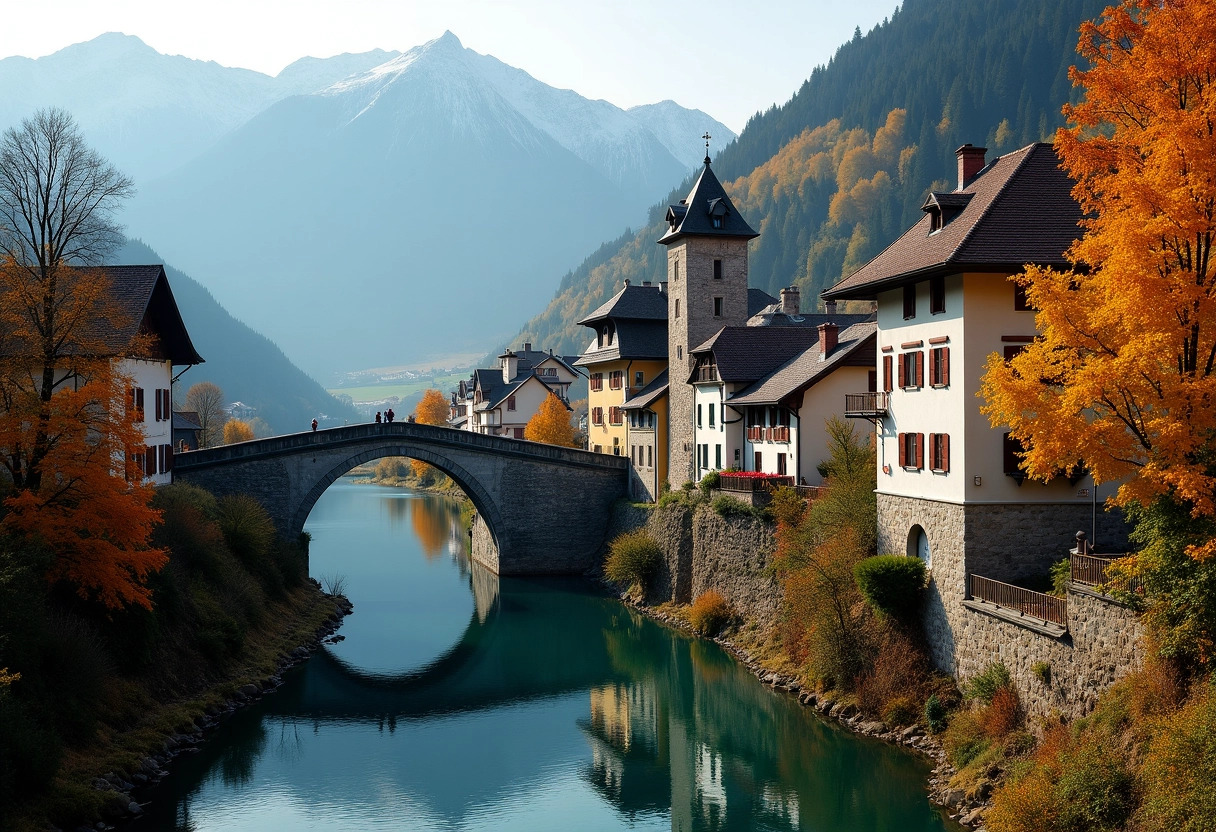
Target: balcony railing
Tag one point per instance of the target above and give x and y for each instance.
(758, 433)
(866, 405)
(1091, 571)
(706, 374)
(752, 483)
(1021, 601)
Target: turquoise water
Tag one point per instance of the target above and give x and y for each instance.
(461, 702)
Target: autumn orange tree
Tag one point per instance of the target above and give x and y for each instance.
(1122, 379)
(65, 427)
(237, 430)
(432, 410)
(551, 424)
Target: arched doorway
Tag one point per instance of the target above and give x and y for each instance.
(918, 545)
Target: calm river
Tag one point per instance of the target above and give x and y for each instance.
(459, 702)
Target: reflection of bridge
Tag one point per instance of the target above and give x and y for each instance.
(547, 507)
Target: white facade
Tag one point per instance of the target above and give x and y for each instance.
(152, 385)
(979, 320)
(717, 431)
(511, 415)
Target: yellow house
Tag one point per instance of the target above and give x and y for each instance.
(628, 352)
(646, 416)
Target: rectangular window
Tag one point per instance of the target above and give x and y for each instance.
(912, 370)
(781, 464)
(711, 415)
(718, 456)
(637, 379)
(717, 270)
(939, 452)
(759, 460)
(912, 450)
(597, 381)
(1011, 453)
(511, 402)
(138, 394)
(910, 301)
(615, 416)
(616, 380)
(717, 307)
(597, 415)
(599, 449)
(650, 456)
(680, 352)
(939, 367)
(1011, 351)
(698, 415)
(1021, 303)
(937, 295)
(677, 307)
(887, 382)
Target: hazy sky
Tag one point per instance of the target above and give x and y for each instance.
(727, 58)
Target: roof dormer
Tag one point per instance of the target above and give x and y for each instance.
(719, 209)
(943, 207)
(675, 215)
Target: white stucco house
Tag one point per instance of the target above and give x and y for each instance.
(501, 401)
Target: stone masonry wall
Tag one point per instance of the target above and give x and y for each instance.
(704, 551)
(1009, 543)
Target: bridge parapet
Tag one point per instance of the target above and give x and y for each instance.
(547, 507)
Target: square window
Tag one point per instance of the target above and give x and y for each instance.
(637, 379)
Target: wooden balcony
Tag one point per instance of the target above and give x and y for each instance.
(759, 433)
(1019, 600)
(705, 373)
(729, 482)
(866, 405)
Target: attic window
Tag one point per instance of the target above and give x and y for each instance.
(935, 220)
(717, 221)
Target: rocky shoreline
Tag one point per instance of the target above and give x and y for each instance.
(967, 812)
(129, 785)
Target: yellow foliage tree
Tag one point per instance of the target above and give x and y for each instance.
(1122, 380)
(432, 410)
(551, 424)
(237, 430)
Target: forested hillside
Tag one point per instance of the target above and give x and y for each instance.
(835, 174)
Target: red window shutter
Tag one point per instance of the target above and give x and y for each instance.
(945, 460)
(169, 457)
(903, 450)
(159, 402)
(920, 368)
(149, 460)
(945, 379)
(886, 373)
(920, 450)
(903, 371)
(933, 451)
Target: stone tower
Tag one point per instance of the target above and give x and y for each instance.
(706, 290)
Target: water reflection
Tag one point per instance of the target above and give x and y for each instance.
(553, 709)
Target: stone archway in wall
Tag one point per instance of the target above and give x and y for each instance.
(918, 545)
(468, 484)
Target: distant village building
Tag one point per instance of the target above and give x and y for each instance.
(187, 428)
(950, 489)
(501, 401)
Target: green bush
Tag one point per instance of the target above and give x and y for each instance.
(671, 498)
(247, 527)
(964, 739)
(1179, 770)
(709, 482)
(632, 558)
(1061, 575)
(1042, 672)
(726, 506)
(935, 714)
(892, 584)
(985, 686)
(710, 613)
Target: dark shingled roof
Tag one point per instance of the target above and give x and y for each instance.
(694, 215)
(748, 353)
(636, 302)
(530, 359)
(649, 394)
(772, 315)
(640, 340)
(757, 299)
(186, 420)
(855, 348)
(1020, 211)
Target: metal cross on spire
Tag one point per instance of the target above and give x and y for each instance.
(707, 137)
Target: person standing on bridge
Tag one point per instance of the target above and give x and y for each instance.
(377, 417)
(314, 425)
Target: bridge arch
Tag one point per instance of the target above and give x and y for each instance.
(482, 501)
(546, 508)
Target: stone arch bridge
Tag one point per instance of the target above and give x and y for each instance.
(546, 507)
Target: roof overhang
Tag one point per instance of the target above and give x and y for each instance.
(871, 290)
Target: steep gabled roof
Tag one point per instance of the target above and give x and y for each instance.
(696, 213)
(757, 299)
(747, 353)
(646, 302)
(649, 394)
(855, 348)
(1019, 210)
(637, 340)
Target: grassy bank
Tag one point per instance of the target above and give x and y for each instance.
(90, 692)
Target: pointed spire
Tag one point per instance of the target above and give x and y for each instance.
(707, 137)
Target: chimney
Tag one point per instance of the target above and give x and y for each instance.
(829, 307)
(827, 339)
(662, 287)
(527, 346)
(791, 300)
(626, 283)
(970, 162)
(510, 366)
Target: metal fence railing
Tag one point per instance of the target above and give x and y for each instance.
(1092, 571)
(1023, 601)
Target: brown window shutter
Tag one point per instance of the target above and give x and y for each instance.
(886, 373)
(169, 457)
(903, 451)
(945, 452)
(149, 460)
(920, 450)
(920, 368)
(933, 451)
(945, 379)
(903, 371)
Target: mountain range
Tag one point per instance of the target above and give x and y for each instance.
(366, 209)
